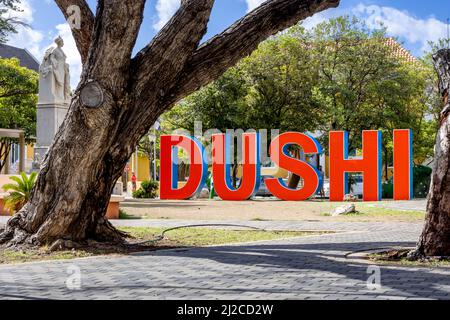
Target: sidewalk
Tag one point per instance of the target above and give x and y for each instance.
(300, 268)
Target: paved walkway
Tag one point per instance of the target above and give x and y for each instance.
(313, 267)
(413, 205)
(263, 209)
(278, 225)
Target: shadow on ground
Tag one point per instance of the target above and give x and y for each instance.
(329, 258)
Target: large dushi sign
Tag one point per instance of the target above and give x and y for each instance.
(369, 164)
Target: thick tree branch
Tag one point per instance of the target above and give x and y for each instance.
(174, 44)
(157, 67)
(223, 51)
(163, 59)
(117, 26)
(83, 34)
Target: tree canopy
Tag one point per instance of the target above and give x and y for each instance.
(340, 75)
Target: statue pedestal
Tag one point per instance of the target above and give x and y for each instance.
(50, 116)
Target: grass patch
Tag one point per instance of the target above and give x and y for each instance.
(399, 258)
(189, 237)
(371, 211)
(197, 237)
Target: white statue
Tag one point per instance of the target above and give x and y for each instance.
(54, 76)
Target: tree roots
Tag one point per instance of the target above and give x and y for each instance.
(104, 235)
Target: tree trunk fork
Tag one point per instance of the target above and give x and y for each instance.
(93, 145)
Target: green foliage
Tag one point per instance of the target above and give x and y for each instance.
(148, 190)
(422, 181)
(269, 89)
(220, 105)
(8, 23)
(123, 215)
(281, 76)
(18, 97)
(16, 80)
(341, 75)
(388, 189)
(364, 86)
(20, 191)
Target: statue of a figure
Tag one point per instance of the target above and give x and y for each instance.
(54, 76)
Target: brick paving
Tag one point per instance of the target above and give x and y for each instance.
(314, 267)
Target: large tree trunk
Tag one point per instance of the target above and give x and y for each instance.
(93, 145)
(435, 238)
(89, 152)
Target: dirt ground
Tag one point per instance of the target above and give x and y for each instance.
(266, 209)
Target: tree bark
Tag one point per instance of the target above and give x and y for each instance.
(435, 238)
(5, 149)
(93, 145)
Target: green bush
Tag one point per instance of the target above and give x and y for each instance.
(148, 190)
(422, 181)
(388, 189)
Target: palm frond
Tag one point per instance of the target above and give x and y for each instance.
(19, 182)
(10, 186)
(20, 191)
(32, 180)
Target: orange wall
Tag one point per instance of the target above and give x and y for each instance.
(30, 152)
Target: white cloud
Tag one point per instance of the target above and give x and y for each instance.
(403, 24)
(253, 4)
(26, 37)
(36, 41)
(165, 9)
(25, 13)
(320, 17)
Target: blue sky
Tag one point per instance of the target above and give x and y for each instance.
(414, 22)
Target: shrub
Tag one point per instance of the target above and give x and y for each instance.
(422, 181)
(20, 191)
(148, 190)
(388, 189)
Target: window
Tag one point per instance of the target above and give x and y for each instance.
(14, 153)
